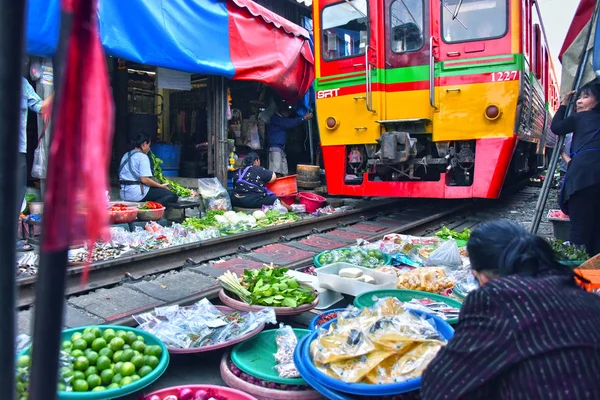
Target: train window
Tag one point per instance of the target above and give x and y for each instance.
(406, 25)
(469, 20)
(344, 30)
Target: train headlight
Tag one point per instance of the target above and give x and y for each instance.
(493, 112)
(331, 123)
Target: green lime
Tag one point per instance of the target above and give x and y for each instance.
(117, 378)
(89, 337)
(75, 336)
(121, 334)
(61, 387)
(127, 369)
(145, 370)
(107, 376)
(20, 387)
(23, 361)
(117, 367)
(140, 339)
(151, 361)
(79, 344)
(103, 363)
(92, 356)
(77, 353)
(125, 381)
(87, 330)
(127, 355)
(66, 345)
(81, 364)
(126, 347)
(118, 356)
(106, 352)
(109, 335)
(65, 372)
(99, 389)
(131, 337)
(78, 375)
(98, 344)
(137, 353)
(116, 344)
(138, 361)
(91, 371)
(113, 386)
(97, 332)
(155, 351)
(135, 378)
(80, 386)
(93, 381)
(138, 346)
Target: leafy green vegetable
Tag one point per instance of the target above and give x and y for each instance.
(446, 233)
(28, 199)
(208, 222)
(566, 252)
(272, 287)
(274, 217)
(173, 186)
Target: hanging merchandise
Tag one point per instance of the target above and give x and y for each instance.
(236, 123)
(252, 135)
(229, 99)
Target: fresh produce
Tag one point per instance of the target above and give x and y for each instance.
(567, 252)
(262, 383)
(121, 207)
(268, 287)
(173, 186)
(326, 317)
(356, 256)
(258, 214)
(274, 217)
(190, 394)
(96, 359)
(122, 214)
(150, 205)
(199, 224)
(446, 233)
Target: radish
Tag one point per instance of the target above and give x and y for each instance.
(186, 394)
(201, 395)
(155, 397)
(170, 397)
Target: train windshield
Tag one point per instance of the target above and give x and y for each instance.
(345, 29)
(407, 25)
(469, 20)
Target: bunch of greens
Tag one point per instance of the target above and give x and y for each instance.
(446, 233)
(173, 186)
(567, 252)
(200, 224)
(274, 217)
(272, 287)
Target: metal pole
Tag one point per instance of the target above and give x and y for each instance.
(220, 123)
(12, 20)
(556, 152)
(310, 141)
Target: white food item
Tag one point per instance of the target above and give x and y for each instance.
(360, 278)
(369, 279)
(350, 273)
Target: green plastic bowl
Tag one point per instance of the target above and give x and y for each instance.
(255, 357)
(365, 300)
(572, 264)
(387, 259)
(126, 390)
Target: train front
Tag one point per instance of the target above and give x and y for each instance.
(419, 98)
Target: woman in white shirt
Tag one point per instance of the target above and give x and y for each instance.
(135, 176)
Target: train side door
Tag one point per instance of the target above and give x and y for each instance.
(350, 75)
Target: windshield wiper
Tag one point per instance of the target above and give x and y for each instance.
(455, 13)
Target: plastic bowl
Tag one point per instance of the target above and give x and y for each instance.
(151, 215)
(125, 390)
(123, 217)
(280, 311)
(228, 393)
(283, 186)
(314, 323)
(362, 389)
(312, 201)
(387, 259)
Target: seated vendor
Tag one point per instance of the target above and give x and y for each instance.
(529, 331)
(249, 189)
(135, 176)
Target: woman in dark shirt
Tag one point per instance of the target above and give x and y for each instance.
(529, 331)
(581, 188)
(249, 189)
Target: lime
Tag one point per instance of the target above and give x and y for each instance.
(75, 336)
(130, 338)
(103, 363)
(127, 369)
(98, 389)
(80, 386)
(87, 330)
(98, 344)
(78, 375)
(20, 387)
(125, 347)
(118, 356)
(138, 346)
(140, 339)
(117, 378)
(117, 367)
(92, 356)
(151, 361)
(155, 351)
(138, 361)
(61, 387)
(113, 386)
(64, 372)
(89, 337)
(106, 352)
(145, 370)
(127, 355)
(125, 381)
(79, 344)
(135, 378)
(23, 362)
(97, 332)
(109, 335)
(77, 353)
(91, 371)
(81, 364)
(107, 376)
(121, 334)
(137, 353)
(93, 381)
(66, 345)
(116, 344)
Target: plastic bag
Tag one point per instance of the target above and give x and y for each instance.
(426, 279)
(40, 161)
(446, 255)
(286, 345)
(253, 140)
(214, 195)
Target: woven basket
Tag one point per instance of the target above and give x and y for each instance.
(592, 263)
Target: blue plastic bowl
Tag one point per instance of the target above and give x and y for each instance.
(362, 389)
(313, 323)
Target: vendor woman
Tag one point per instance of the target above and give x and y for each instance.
(249, 189)
(135, 175)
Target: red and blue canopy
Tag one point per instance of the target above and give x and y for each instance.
(238, 39)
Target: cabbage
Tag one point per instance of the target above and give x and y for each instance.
(259, 215)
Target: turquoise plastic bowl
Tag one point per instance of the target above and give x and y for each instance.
(126, 390)
(387, 259)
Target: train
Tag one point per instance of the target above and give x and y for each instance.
(431, 98)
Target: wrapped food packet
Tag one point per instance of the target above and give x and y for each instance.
(286, 345)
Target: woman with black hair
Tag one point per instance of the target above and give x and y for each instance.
(249, 190)
(529, 331)
(135, 175)
(580, 192)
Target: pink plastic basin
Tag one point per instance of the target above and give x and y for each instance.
(230, 394)
(312, 201)
(289, 200)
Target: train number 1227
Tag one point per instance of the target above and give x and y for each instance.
(505, 76)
